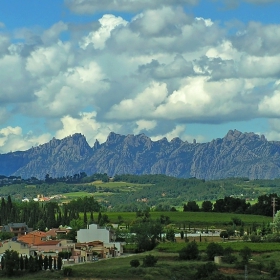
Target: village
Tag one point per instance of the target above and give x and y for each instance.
(93, 243)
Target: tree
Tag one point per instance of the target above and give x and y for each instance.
(245, 254)
(59, 263)
(40, 262)
(54, 264)
(207, 206)
(5, 235)
(11, 262)
(190, 252)
(46, 262)
(21, 263)
(205, 271)
(149, 261)
(214, 249)
(41, 225)
(182, 234)
(228, 257)
(146, 234)
(170, 234)
(224, 234)
(134, 263)
(50, 262)
(103, 220)
(26, 263)
(191, 206)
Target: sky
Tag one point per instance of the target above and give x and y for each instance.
(193, 69)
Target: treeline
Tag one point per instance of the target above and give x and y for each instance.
(237, 205)
(81, 177)
(18, 191)
(46, 215)
(12, 263)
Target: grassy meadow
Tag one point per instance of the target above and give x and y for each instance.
(168, 267)
(194, 219)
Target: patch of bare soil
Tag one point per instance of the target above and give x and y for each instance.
(231, 271)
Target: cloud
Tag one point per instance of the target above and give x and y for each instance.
(4, 44)
(143, 105)
(234, 4)
(144, 125)
(4, 115)
(95, 6)
(166, 36)
(52, 34)
(12, 139)
(86, 124)
(269, 105)
(98, 38)
(179, 67)
(155, 73)
(68, 92)
(258, 39)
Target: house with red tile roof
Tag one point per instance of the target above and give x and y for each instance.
(33, 237)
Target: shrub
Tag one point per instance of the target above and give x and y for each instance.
(224, 234)
(255, 238)
(205, 270)
(228, 257)
(137, 271)
(148, 277)
(67, 271)
(245, 237)
(245, 254)
(149, 261)
(214, 249)
(190, 252)
(134, 263)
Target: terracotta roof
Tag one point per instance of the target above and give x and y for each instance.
(32, 237)
(38, 233)
(53, 232)
(48, 243)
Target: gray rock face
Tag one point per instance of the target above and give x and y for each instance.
(236, 155)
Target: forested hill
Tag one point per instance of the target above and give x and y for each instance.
(236, 155)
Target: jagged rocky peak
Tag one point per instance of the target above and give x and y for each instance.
(176, 141)
(263, 138)
(114, 137)
(96, 145)
(137, 140)
(76, 139)
(232, 135)
(163, 141)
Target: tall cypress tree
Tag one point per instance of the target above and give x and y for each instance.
(59, 263)
(40, 262)
(21, 263)
(46, 262)
(50, 262)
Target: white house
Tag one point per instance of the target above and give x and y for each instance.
(96, 233)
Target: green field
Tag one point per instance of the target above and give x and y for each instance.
(118, 184)
(194, 218)
(235, 245)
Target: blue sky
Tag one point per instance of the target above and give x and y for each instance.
(166, 68)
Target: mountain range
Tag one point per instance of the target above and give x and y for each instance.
(236, 155)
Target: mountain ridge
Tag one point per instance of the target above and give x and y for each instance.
(235, 155)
